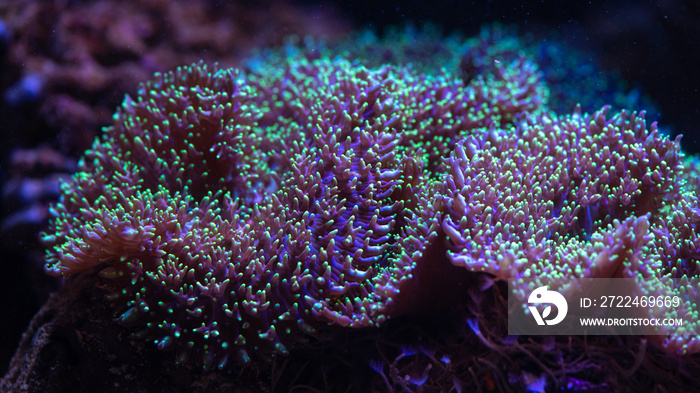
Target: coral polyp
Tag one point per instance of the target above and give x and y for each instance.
(234, 215)
(209, 251)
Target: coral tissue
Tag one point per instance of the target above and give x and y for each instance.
(234, 214)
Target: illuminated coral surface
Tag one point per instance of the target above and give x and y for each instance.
(234, 215)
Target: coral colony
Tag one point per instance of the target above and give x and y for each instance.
(234, 214)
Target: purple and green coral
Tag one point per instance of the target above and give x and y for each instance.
(237, 215)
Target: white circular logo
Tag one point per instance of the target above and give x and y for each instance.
(543, 296)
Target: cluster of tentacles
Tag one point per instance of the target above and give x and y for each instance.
(236, 214)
